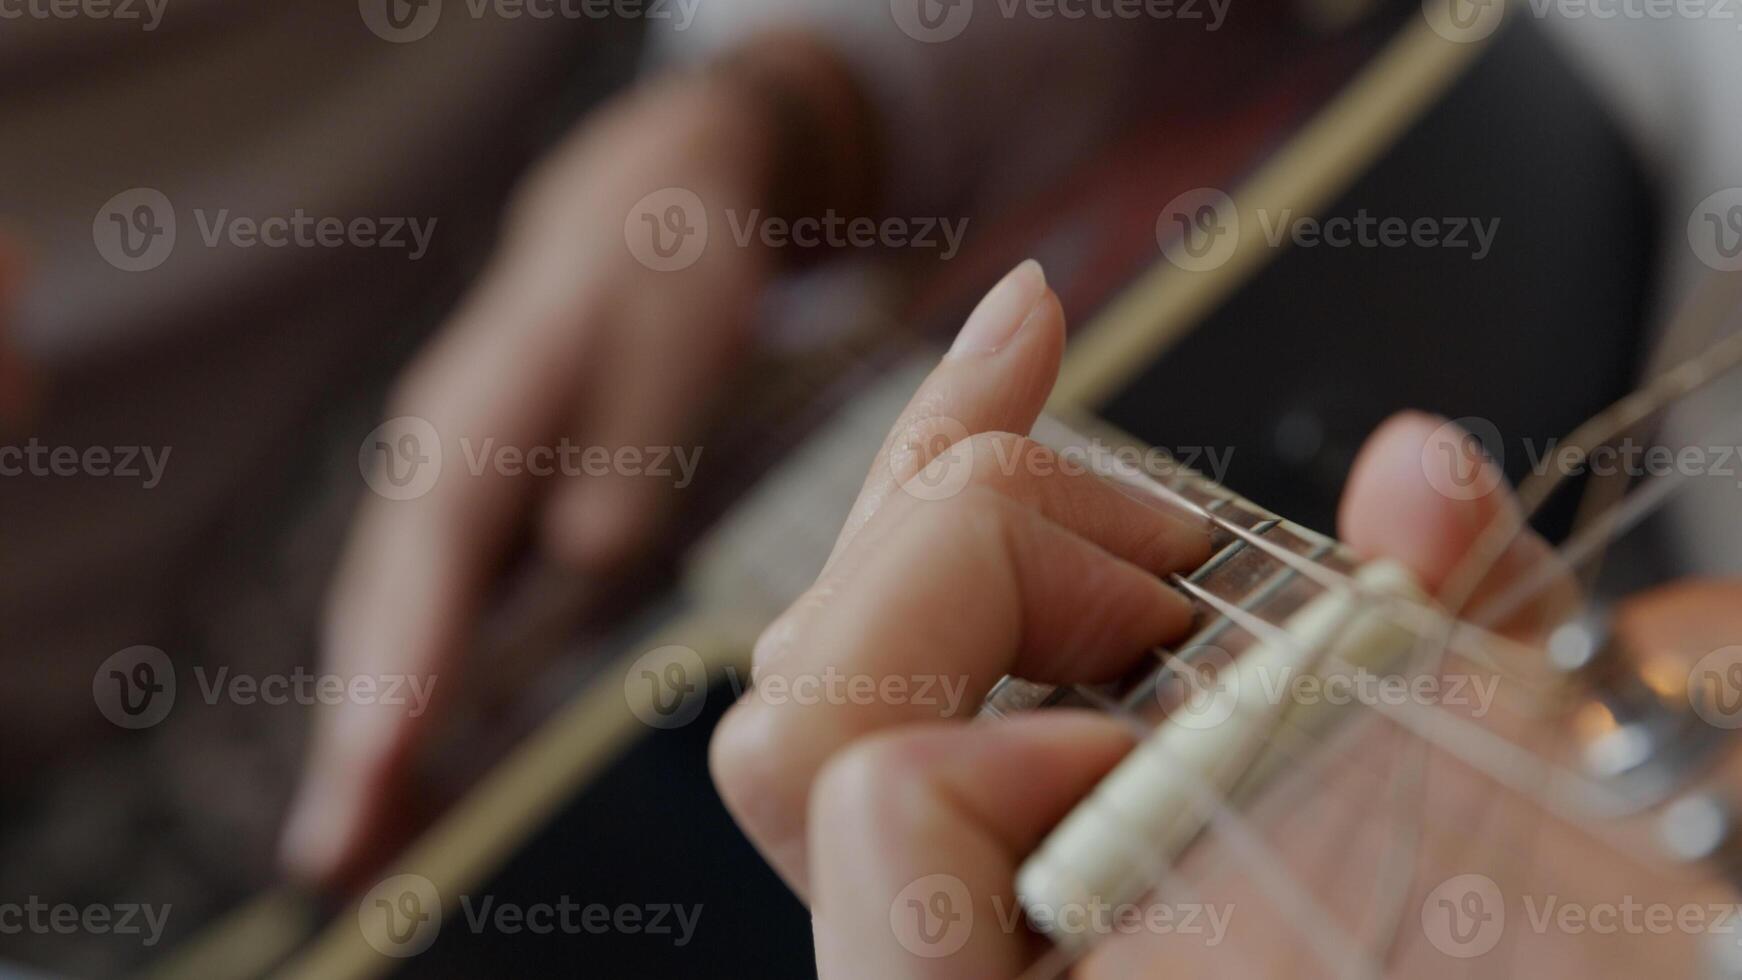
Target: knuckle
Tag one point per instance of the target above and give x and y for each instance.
(999, 457)
(978, 514)
(994, 460)
(777, 638)
(749, 760)
(783, 634)
(924, 435)
(872, 775)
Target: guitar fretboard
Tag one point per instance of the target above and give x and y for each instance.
(1238, 572)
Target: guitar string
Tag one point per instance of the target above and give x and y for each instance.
(1475, 639)
(1609, 526)
(1707, 306)
(1324, 935)
(1503, 762)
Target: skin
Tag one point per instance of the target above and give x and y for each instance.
(565, 335)
(1053, 579)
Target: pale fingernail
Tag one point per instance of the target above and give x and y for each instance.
(995, 321)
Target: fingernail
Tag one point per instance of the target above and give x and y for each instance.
(1003, 311)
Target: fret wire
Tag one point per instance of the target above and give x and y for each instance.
(1511, 765)
(1202, 574)
(1421, 614)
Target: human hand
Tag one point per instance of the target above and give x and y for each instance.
(578, 333)
(1053, 579)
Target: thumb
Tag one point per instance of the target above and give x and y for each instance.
(1423, 493)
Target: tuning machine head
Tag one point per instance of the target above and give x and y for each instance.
(1636, 735)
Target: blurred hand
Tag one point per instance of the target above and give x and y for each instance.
(567, 335)
(1051, 578)
(14, 377)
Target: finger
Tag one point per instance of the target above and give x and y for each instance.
(651, 383)
(1033, 475)
(966, 590)
(1407, 500)
(996, 377)
(407, 590)
(916, 836)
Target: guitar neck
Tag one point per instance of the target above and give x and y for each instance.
(1239, 572)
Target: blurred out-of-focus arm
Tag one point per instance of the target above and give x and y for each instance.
(963, 119)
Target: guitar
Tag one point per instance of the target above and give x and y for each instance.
(732, 588)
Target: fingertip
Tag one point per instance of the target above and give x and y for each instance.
(1003, 312)
(1417, 494)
